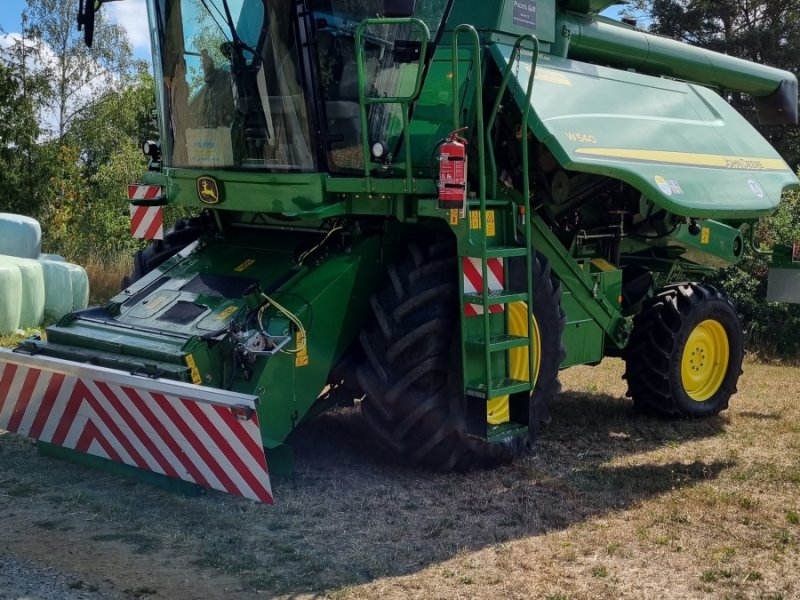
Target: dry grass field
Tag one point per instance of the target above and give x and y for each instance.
(610, 505)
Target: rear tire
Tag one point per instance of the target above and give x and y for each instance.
(685, 355)
(158, 252)
(414, 404)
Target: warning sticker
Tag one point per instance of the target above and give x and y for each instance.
(301, 358)
(705, 235)
(245, 265)
(196, 379)
(227, 313)
(475, 222)
(453, 216)
(664, 185)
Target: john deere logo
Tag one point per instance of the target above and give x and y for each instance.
(208, 190)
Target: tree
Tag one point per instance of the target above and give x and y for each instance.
(766, 32)
(23, 163)
(763, 31)
(77, 74)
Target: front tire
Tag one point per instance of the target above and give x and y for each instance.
(685, 355)
(414, 404)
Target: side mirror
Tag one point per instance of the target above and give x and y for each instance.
(86, 20)
(393, 9)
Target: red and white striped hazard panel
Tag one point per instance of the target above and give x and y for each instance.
(147, 222)
(182, 431)
(473, 282)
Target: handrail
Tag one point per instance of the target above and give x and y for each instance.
(364, 100)
(515, 55)
(477, 66)
(526, 193)
(476, 49)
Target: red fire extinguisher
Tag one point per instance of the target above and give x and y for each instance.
(453, 171)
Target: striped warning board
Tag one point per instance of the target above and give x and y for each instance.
(147, 222)
(201, 435)
(473, 282)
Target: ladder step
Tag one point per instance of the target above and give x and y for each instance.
(500, 343)
(497, 252)
(497, 297)
(500, 387)
(498, 433)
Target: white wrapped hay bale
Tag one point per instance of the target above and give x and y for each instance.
(58, 293)
(20, 236)
(10, 297)
(32, 296)
(80, 286)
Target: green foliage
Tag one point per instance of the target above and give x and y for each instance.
(771, 327)
(23, 163)
(72, 120)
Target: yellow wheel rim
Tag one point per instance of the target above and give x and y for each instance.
(518, 317)
(705, 360)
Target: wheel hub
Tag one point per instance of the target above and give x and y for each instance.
(705, 360)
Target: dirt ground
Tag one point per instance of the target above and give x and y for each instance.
(610, 505)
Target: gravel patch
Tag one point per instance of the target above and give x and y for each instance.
(24, 580)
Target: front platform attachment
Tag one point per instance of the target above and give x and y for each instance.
(195, 434)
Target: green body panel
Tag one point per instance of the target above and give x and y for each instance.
(604, 41)
(680, 144)
(135, 332)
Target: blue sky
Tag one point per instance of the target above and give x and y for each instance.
(131, 14)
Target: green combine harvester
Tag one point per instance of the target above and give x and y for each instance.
(432, 205)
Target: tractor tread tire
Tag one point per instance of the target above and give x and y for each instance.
(411, 375)
(654, 354)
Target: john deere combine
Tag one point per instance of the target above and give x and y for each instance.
(434, 205)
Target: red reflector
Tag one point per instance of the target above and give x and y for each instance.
(242, 413)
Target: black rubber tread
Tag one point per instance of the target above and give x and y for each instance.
(551, 320)
(411, 376)
(158, 252)
(654, 354)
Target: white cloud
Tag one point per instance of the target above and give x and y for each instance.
(132, 16)
(44, 58)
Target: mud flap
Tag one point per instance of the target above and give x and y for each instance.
(201, 435)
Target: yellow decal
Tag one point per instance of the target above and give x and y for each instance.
(689, 159)
(453, 216)
(226, 313)
(603, 265)
(475, 222)
(551, 76)
(157, 304)
(301, 358)
(196, 379)
(208, 190)
(705, 236)
(245, 265)
(474, 219)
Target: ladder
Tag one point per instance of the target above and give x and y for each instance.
(477, 257)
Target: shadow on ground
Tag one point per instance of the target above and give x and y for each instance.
(349, 515)
(360, 517)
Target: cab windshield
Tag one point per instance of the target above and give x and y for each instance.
(232, 90)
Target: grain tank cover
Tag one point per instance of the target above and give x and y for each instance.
(680, 144)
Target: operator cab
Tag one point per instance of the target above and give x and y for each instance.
(274, 85)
